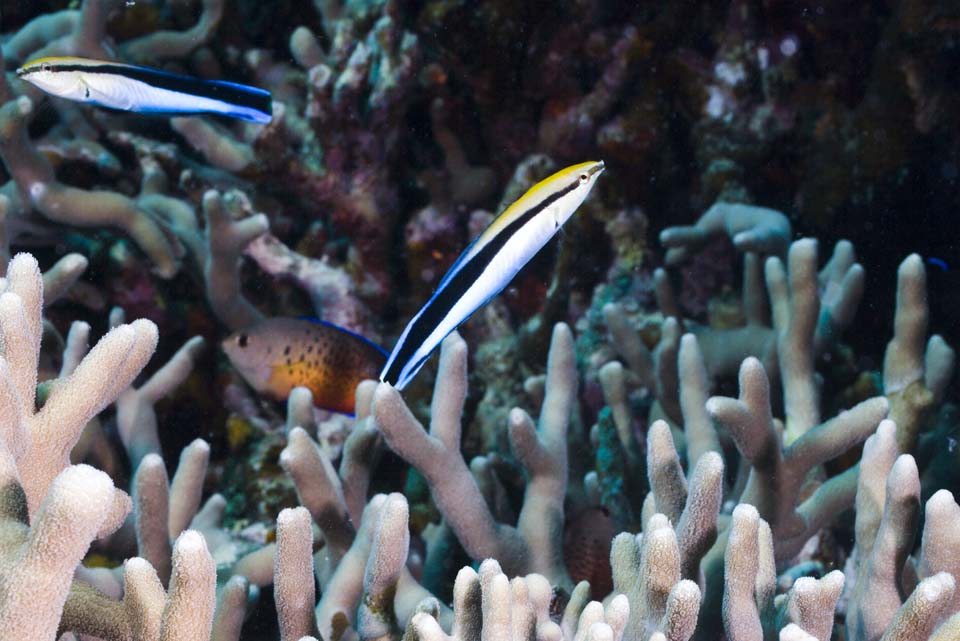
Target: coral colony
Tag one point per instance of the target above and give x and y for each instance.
(684, 418)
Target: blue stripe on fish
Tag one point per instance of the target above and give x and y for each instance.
(144, 89)
(488, 265)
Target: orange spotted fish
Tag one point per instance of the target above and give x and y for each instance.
(278, 354)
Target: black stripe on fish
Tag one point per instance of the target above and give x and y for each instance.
(453, 289)
(228, 92)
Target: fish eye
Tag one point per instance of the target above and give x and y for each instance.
(45, 66)
(584, 178)
(242, 340)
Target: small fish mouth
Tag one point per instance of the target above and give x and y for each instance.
(21, 72)
(596, 169)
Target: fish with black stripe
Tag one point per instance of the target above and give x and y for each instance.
(144, 89)
(489, 264)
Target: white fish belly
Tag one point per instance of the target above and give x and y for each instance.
(124, 93)
(506, 264)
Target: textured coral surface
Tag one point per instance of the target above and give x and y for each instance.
(719, 405)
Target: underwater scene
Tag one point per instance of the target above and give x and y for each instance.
(450, 320)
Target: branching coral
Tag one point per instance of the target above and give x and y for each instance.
(226, 238)
(35, 186)
(914, 374)
(351, 529)
(779, 461)
(647, 569)
(40, 441)
(184, 612)
(827, 299)
(39, 557)
(489, 605)
(328, 155)
(778, 472)
(718, 494)
(693, 509)
(888, 502)
(534, 544)
(53, 510)
(750, 611)
(82, 32)
(751, 229)
(782, 460)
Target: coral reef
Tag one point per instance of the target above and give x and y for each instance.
(720, 406)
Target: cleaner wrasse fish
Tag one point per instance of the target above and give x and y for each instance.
(278, 354)
(489, 264)
(144, 90)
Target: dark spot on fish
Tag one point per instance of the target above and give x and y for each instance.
(286, 350)
(289, 362)
(309, 349)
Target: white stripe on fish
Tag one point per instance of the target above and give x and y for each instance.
(144, 90)
(489, 264)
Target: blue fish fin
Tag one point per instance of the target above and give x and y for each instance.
(320, 321)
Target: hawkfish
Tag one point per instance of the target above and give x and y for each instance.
(144, 89)
(488, 265)
(278, 354)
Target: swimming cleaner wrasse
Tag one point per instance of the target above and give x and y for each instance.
(278, 354)
(489, 264)
(144, 90)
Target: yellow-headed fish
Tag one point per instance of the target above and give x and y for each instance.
(489, 264)
(144, 89)
(278, 354)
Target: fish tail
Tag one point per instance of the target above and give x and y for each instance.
(252, 103)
